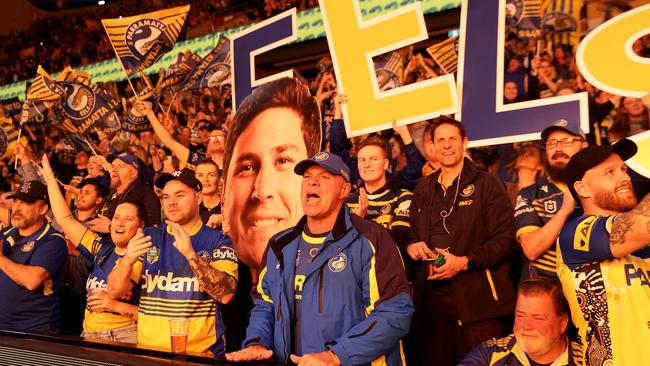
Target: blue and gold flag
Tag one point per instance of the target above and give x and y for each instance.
(561, 21)
(524, 17)
(84, 105)
(8, 137)
(214, 69)
(140, 40)
(11, 107)
(178, 71)
(445, 54)
(138, 122)
(42, 94)
(389, 68)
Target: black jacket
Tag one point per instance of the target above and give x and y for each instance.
(138, 191)
(481, 228)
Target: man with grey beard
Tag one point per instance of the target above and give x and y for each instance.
(31, 261)
(539, 209)
(604, 257)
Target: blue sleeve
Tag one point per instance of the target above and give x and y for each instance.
(261, 325)
(586, 239)
(50, 253)
(526, 218)
(412, 172)
(389, 305)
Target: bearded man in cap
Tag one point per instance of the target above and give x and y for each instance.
(604, 258)
(31, 262)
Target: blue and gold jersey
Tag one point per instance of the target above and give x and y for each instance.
(389, 208)
(37, 310)
(535, 206)
(101, 251)
(609, 297)
(171, 290)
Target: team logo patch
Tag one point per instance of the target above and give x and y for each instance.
(561, 123)
(321, 156)
(385, 210)
(550, 206)
(27, 247)
(337, 263)
(468, 190)
(203, 254)
(153, 255)
(141, 33)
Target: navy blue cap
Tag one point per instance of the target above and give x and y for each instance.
(184, 176)
(563, 125)
(125, 157)
(99, 183)
(328, 161)
(31, 192)
(591, 156)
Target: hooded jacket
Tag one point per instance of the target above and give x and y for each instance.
(355, 298)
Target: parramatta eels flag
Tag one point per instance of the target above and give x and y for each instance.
(140, 40)
(214, 69)
(445, 54)
(138, 122)
(525, 18)
(42, 94)
(389, 68)
(8, 137)
(182, 65)
(11, 106)
(561, 21)
(84, 105)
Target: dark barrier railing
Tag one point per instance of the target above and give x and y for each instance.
(27, 349)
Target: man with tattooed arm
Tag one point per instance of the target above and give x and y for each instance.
(604, 258)
(188, 269)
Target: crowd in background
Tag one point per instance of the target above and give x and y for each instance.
(534, 69)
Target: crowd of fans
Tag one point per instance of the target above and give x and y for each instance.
(393, 177)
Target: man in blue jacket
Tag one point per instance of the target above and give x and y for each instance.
(333, 290)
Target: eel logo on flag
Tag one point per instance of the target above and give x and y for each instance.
(143, 35)
(80, 101)
(139, 41)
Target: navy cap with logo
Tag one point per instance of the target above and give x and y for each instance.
(184, 176)
(31, 192)
(328, 161)
(591, 156)
(125, 157)
(563, 125)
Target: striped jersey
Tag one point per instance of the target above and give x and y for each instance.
(171, 290)
(101, 251)
(389, 208)
(609, 297)
(535, 206)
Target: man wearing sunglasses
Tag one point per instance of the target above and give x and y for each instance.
(539, 212)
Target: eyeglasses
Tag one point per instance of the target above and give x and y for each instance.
(215, 138)
(565, 142)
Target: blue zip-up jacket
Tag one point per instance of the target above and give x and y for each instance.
(355, 299)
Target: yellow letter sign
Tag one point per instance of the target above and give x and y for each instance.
(353, 43)
(606, 59)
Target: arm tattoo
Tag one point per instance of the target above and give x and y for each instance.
(215, 282)
(624, 223)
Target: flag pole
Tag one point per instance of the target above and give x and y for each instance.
(20, 130)
(123, 68)
(88, 143)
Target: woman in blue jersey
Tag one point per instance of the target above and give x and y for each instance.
(105, 318)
